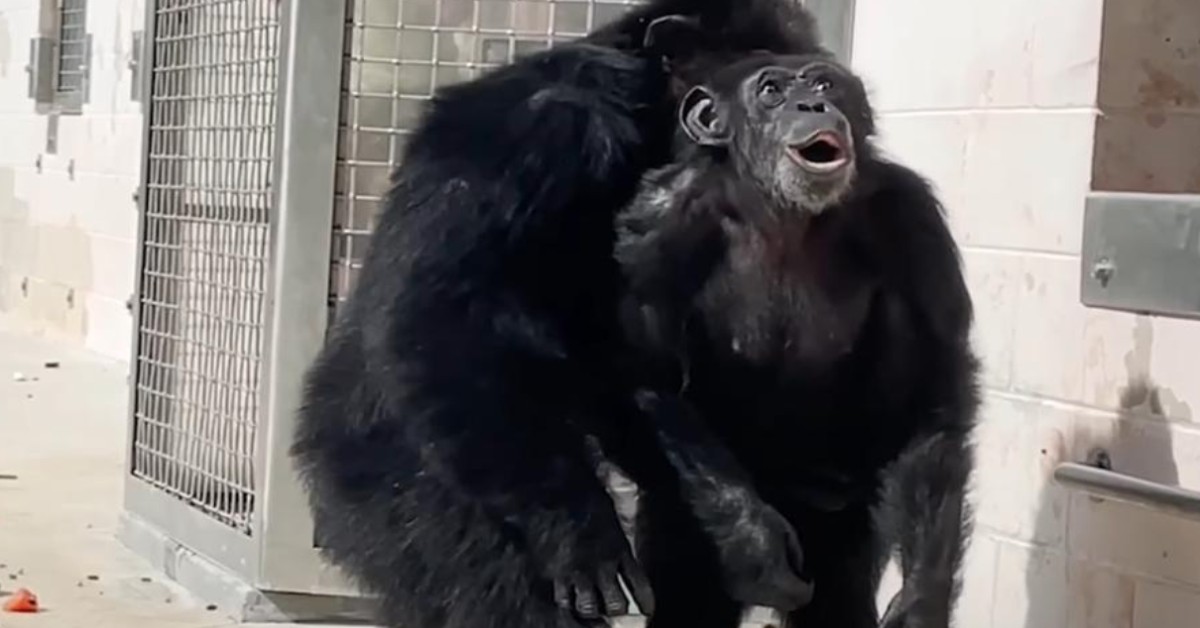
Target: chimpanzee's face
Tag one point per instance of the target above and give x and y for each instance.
(782, 120)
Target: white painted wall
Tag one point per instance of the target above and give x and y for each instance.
(996, 103)
(67, 240)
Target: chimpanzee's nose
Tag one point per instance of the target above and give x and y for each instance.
(812, 106)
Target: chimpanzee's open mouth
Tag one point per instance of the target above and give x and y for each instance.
(824, 152)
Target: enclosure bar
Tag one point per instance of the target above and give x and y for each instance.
(1128, 489)
(311, 41)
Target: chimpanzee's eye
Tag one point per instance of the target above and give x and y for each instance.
(770, 94)
(821, 84)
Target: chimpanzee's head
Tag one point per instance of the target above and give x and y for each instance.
(797, 126)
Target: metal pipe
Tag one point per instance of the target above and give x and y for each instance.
(1128, 489)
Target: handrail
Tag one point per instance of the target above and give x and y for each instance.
(1128, 489)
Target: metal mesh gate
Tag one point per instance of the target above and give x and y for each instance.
(205, 244)
(397, 53)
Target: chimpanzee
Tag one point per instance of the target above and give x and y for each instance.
(442, 432)
(800, 322)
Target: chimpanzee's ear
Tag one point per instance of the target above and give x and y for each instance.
(672, 36)
(702, 119)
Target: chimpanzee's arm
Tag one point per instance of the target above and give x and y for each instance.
(925, 500)
(758, 549)
(924, 511)
(667, 254)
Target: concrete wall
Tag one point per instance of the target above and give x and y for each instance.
(999, 103)
(68, 220)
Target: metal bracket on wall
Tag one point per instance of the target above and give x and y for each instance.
(52, 133)
(1141, 253)
(87, 69)
(135, 67)
(41, 70)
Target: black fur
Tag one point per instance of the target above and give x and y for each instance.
(442, 431)
(827, 350)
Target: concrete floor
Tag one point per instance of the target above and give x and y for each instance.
(62, 433)
(62, 439)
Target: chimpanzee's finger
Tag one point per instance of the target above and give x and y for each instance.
(585, 600)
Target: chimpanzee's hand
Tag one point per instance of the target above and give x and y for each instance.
(587, 563)
(761, 559)
(909, 609)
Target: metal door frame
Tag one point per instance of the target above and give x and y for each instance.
(835, 23)
(306, 150)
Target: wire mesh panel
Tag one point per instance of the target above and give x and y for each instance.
(72, 45)
(205, 244)
(397, 53)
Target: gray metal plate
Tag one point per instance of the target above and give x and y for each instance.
(1141, 253)
(835, 22)
(41, 70)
